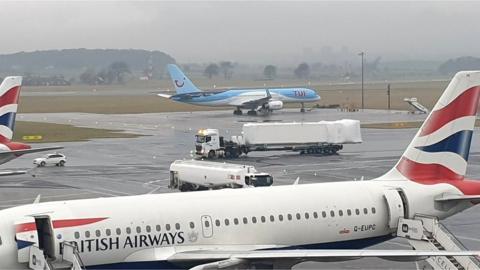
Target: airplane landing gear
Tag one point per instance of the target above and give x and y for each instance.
(302, 109)
(252, 112)
(238, 111)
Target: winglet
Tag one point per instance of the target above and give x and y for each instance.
(37, 199)
(268, 93)
(296, 181)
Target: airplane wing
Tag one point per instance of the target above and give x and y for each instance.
(222, 259)
(10, 173)
(17, 153)
(249, 101)
(458, 198)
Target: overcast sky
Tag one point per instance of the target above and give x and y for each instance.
(245, 31)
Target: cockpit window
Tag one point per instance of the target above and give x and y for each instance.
(200, 139)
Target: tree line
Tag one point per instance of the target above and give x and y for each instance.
(117, 72)
(225, 68)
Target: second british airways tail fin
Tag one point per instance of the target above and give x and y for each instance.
(441, 147)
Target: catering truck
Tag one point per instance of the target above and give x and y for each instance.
(324, 137)
(193, 175)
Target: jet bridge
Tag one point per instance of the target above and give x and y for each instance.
(426, 233)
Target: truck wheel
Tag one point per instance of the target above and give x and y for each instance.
(228, 154)
(211, 154)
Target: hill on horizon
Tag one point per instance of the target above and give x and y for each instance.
(74, 61)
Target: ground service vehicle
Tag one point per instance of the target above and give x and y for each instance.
(324, 137)
(191, 175)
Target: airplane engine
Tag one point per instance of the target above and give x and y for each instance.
(275, 105)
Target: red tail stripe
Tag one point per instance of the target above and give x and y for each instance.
(420, 172)
(464, 105)
(65, 223)
(4, 140)
(10, 97)
(431, 174)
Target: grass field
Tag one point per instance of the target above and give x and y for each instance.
(146, 102)
(398, 125)
(63, 133)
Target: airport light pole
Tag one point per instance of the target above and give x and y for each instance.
(362, 54)
(388, 93)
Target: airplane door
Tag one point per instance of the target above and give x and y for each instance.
(395, 207)
(207, 226)
(46, 238)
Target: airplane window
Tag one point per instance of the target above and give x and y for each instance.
(254, 219)
(289, 216)
(307, 215)
(177, 226)
(167, 227)
(280, 217)
(148, 228)
(324, 214)
(207, 224)
(97, 233)
(245, 220)
(108, 232)
(373, 210)
(349, 212)
(118, 231)
(357, 211)
(139, 230)
(192, 225)
(315, 214)
(263, 219)
(87, 234)
(128, 230)
(272, 218)
(332, 213)
(340, 213)
(217, 222)
(77, 235)
(158, 228)
(298, 216)
(365, 211)
(227, 222)
(235, 220)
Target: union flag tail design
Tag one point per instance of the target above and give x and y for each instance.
(9, 93)
(439, 151)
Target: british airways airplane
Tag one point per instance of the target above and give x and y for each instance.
(9, 94)
(261, 100)
(279, 225)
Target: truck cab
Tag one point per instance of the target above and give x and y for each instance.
(258, 179)
(208, 142)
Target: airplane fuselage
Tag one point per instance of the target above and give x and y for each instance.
(238, 97)
(145, 230)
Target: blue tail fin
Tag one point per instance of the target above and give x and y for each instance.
(183, 85)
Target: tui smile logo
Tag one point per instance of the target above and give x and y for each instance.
(178, 84)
